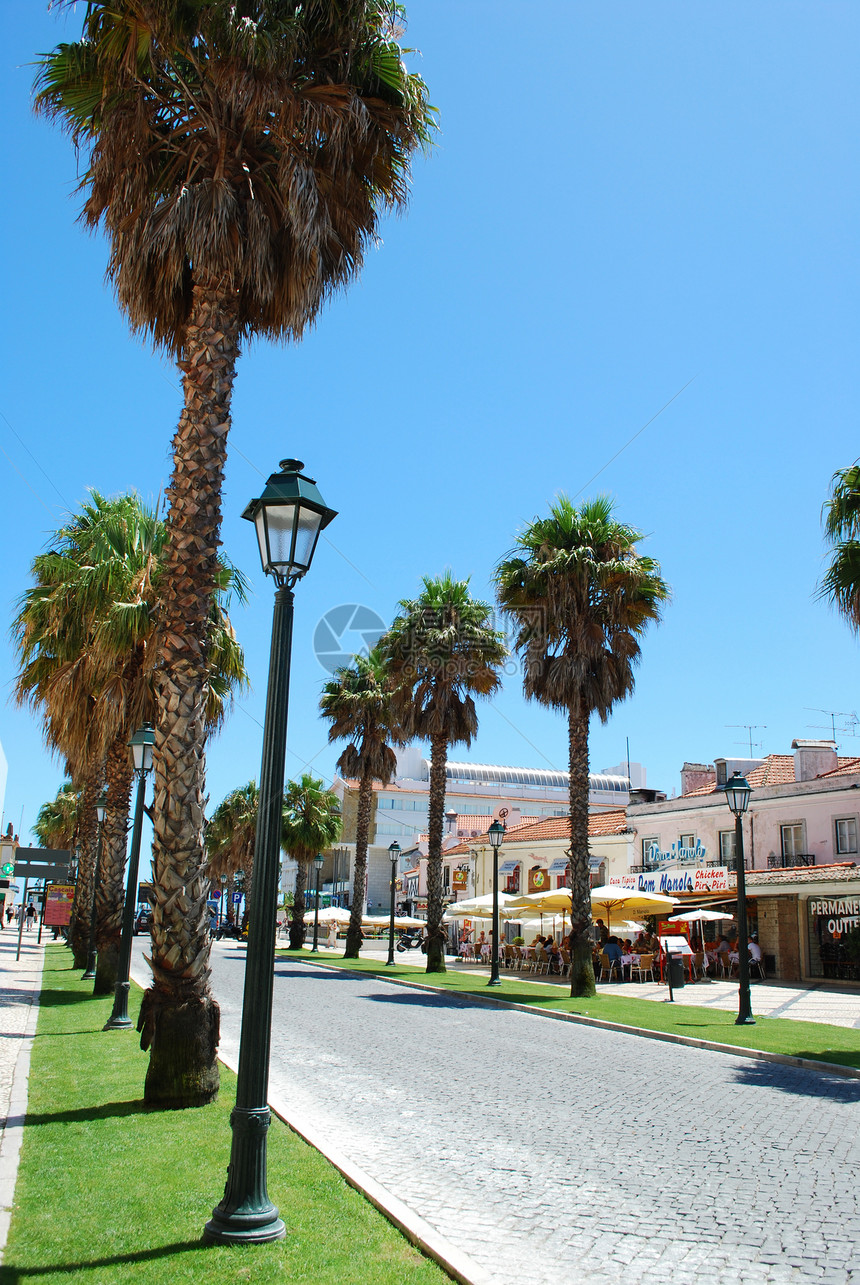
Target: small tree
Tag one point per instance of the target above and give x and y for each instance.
(312, 824)
(442, 651)
(358, 703)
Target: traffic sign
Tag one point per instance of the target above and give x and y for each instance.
(8, 867)
(237, 897)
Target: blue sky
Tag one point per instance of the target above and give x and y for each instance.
(623, 198)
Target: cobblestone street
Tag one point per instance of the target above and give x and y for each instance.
(543, 1148)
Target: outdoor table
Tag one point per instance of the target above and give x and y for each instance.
(627, 961)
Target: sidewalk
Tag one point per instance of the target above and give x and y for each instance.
(834, 1006)
(20, 983)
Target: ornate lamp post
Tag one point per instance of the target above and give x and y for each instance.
(497, 834)
(394, 857)
(141, 751)
(289, 516)
(738, 797)
(318, 865)
(101, 809)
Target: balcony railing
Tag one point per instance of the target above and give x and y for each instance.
(777, 861)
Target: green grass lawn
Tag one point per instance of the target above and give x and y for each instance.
(836, 1044)
(109, 1191)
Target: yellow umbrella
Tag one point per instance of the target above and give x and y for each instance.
(611, 898)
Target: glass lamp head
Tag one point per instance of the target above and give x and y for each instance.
(289, 516)
(497, 834)
(101, 807)
(141, 745)
(318, 861)
(738, 793)
(394, 852)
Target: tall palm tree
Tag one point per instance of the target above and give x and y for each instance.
(841, 515)
(239, 154)
(580, 596)
(312, 824)
(358, 702)
(86, 633)
(57, 822)
(231, 832)
(442, 651)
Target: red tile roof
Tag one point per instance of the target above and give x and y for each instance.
(847, 767)
(778, 769)
(841, 872)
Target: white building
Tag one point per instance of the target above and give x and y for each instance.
(475, 794)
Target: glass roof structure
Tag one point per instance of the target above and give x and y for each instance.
(537, 778)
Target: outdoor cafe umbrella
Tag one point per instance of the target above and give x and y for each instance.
(478, 907)
(700, 917)
(611, 898)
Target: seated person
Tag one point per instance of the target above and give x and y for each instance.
(755, 951)
(612, 951)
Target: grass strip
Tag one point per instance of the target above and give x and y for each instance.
(823, 1043)
(110, 1191)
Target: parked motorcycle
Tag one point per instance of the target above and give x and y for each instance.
(410, 940)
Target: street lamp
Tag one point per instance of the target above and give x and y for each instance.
(101, 809)
(141, 751)
(738, 797)
(394, 857)
(318, 863)
(497, 834)
(288, 516)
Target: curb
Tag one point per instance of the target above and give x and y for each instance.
(667, 1037)
(13, 1133)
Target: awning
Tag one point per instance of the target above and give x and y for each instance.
(508, 867)
(558, 866)
(594, 864)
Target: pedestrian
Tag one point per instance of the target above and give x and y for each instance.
(31, 916)
(331, 939)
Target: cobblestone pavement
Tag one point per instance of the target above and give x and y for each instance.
(545, 1148)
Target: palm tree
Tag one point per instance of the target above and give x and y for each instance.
(238, 155)
(57, 823)
(443, 652)
(87, 640)
(841, 584)
(357, 700)
(312, 824)
(581, 597)
(231, 833)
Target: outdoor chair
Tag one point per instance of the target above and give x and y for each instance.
(527, 961)
(512, 959)
(697, 966)
(541, 960)
(609, 966)
(565, 962)
(758, 965)
(645, 968)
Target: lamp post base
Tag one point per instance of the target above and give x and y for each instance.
(246, 1216)
(90, 974)
(745, 1019)
(119, 1019)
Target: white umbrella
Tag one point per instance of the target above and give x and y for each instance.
(477, 907)
(611, 898)
(327, 914)
(700, 917)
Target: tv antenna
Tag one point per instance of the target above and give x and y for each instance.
(749, 728)
(833, 714)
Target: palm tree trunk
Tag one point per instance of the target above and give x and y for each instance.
(82, 903)
(179, 1018)
(297, 916)
(581, 969)
(435, 909)
(111, 892)
(359, 874)
(230, 885)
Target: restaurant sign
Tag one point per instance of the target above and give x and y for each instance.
(670, 882)
(678, 854)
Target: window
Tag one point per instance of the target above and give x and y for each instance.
(846, 835)
(513, 883)
(647, 845)
(562, 881)
(727, 847)
(687, 841)
(446, 878)
(792, 839)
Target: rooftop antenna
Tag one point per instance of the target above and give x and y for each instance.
(833, 714)
(750, 728)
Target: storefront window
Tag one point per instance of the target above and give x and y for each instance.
(833, 925)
